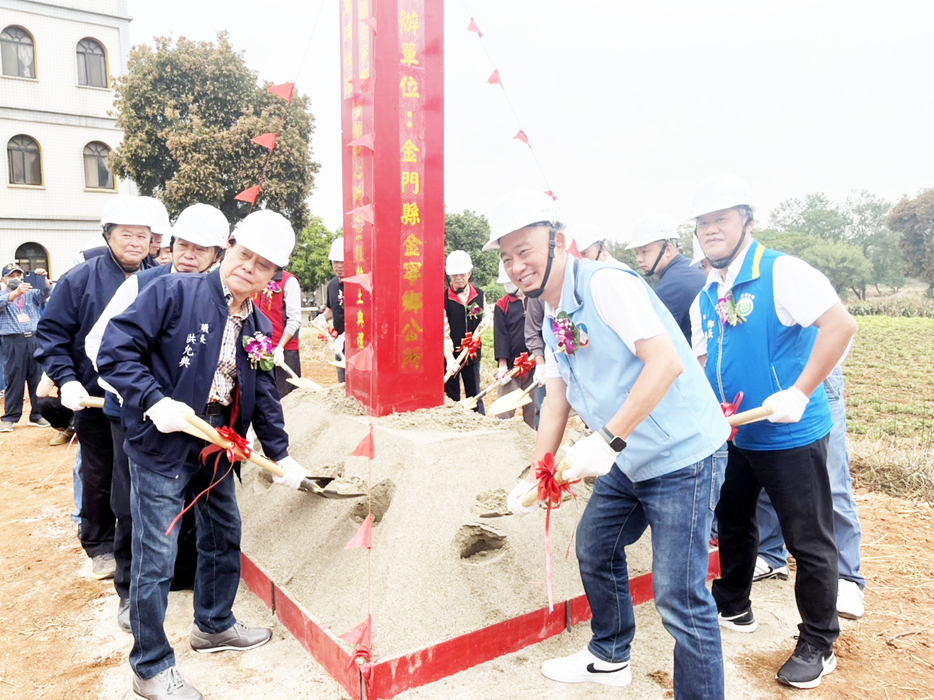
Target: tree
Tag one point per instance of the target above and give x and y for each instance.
(815, 215)
(868, 230)
(309, 261)
(189, 109)
(844, 263)
(470, 231)
(914, 219)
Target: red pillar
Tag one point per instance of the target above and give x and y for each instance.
(393, 175)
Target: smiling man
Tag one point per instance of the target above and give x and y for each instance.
(771, 326)
(179, 350)
(615, 354)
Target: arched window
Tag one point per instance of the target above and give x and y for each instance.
(32, 256)
(97, 173)
(92, 64)
(25, 161)
(17, 53)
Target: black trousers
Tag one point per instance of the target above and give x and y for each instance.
(292, 360)
(52, 410)
(19, 371)
(97, 460)
(470, 375)
(187, 557)
(797, 483)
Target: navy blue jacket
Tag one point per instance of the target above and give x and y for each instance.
(167, 343)
(678, 286)
(79, 299)
(509, 328)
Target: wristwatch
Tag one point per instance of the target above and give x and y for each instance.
(616, 443)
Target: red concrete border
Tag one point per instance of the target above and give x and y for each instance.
(417, 668)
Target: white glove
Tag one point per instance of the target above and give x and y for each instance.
(591, 456)
(338, 346)
(278, 355)
(514, 502)
(538, 376)
(787, 406)
(320, 320)
(293, 473)
(501, 372)
(72, 393)
(168, 415)
(450, 363)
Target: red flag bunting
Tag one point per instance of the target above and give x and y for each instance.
(284, 91)
(359, 635)
(364, 536)
(366, 212)
(472, 27)
(366, 141)
(361, 86)
(366, 447)
(363, 360)
(372, 22)
(573, 251)
(364, 280)
(248, 195)
(265, 140)
(551, 194)
(523, 138)
(494, 78)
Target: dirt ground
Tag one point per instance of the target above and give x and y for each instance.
(62, 639)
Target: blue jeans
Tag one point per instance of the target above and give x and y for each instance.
(76, 485)
(845, 515)
(678, 507)
(155, 500)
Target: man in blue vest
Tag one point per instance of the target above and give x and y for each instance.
(195, 344)
(771, 326)
(615, 355)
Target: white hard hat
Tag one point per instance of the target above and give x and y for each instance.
(585, 235)
(458, 262)
(92, 243)
(723, 191)
(203, 225)
(336, 253)
(160, 216)
(502, 278)
(268, 234)
(518, 209)
(651, 228)
(124, 210)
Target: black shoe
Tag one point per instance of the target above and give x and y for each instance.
(744, 622)
(807, 666)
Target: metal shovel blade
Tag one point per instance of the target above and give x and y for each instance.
(494, 515)
(310, 486)
(510, 402)
(303, 383)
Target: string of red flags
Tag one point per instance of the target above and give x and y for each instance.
(365, 141)
(365, 212)
(363, 360)
(496, 79)
(268, 141)
(364, 280)
(365, 448)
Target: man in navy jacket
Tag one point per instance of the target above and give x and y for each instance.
(78, 300)
(181, 349)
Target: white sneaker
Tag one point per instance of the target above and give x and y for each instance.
(849, 600)
(763, 571)
(584, 667)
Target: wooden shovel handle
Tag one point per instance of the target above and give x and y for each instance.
(566, 463)
(751, 416)
(92, 402)
(211, 434)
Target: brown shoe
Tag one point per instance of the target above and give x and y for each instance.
(61, 437)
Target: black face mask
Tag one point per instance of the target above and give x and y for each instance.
(13, 283)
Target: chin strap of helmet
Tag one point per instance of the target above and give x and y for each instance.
(658, 259)
(724, 262)
(551, 256)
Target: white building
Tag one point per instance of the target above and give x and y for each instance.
(57, 125)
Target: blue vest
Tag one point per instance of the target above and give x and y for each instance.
(761, 356)
(685, 427)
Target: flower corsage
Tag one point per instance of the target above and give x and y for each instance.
(570, 336)
(259, 349)
(475, 311)
(272, 287)
(732, 312)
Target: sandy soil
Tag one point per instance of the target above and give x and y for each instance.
(62, 639)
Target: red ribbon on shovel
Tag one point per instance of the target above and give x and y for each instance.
(524, 364)
(470, 344)
(730, 409)
(551, 492)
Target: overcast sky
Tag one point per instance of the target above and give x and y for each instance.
(629, 105)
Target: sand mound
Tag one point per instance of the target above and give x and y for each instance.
(437, 569)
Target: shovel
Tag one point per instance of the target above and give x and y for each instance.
(532, 496)
(471, 402)
(209, 433)
(300, 382)
(326, 332)
(512, 400)
(485, 323)
(98, 402)
(751, 416)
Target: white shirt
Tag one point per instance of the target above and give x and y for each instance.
(622, 302)
(802, 294)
